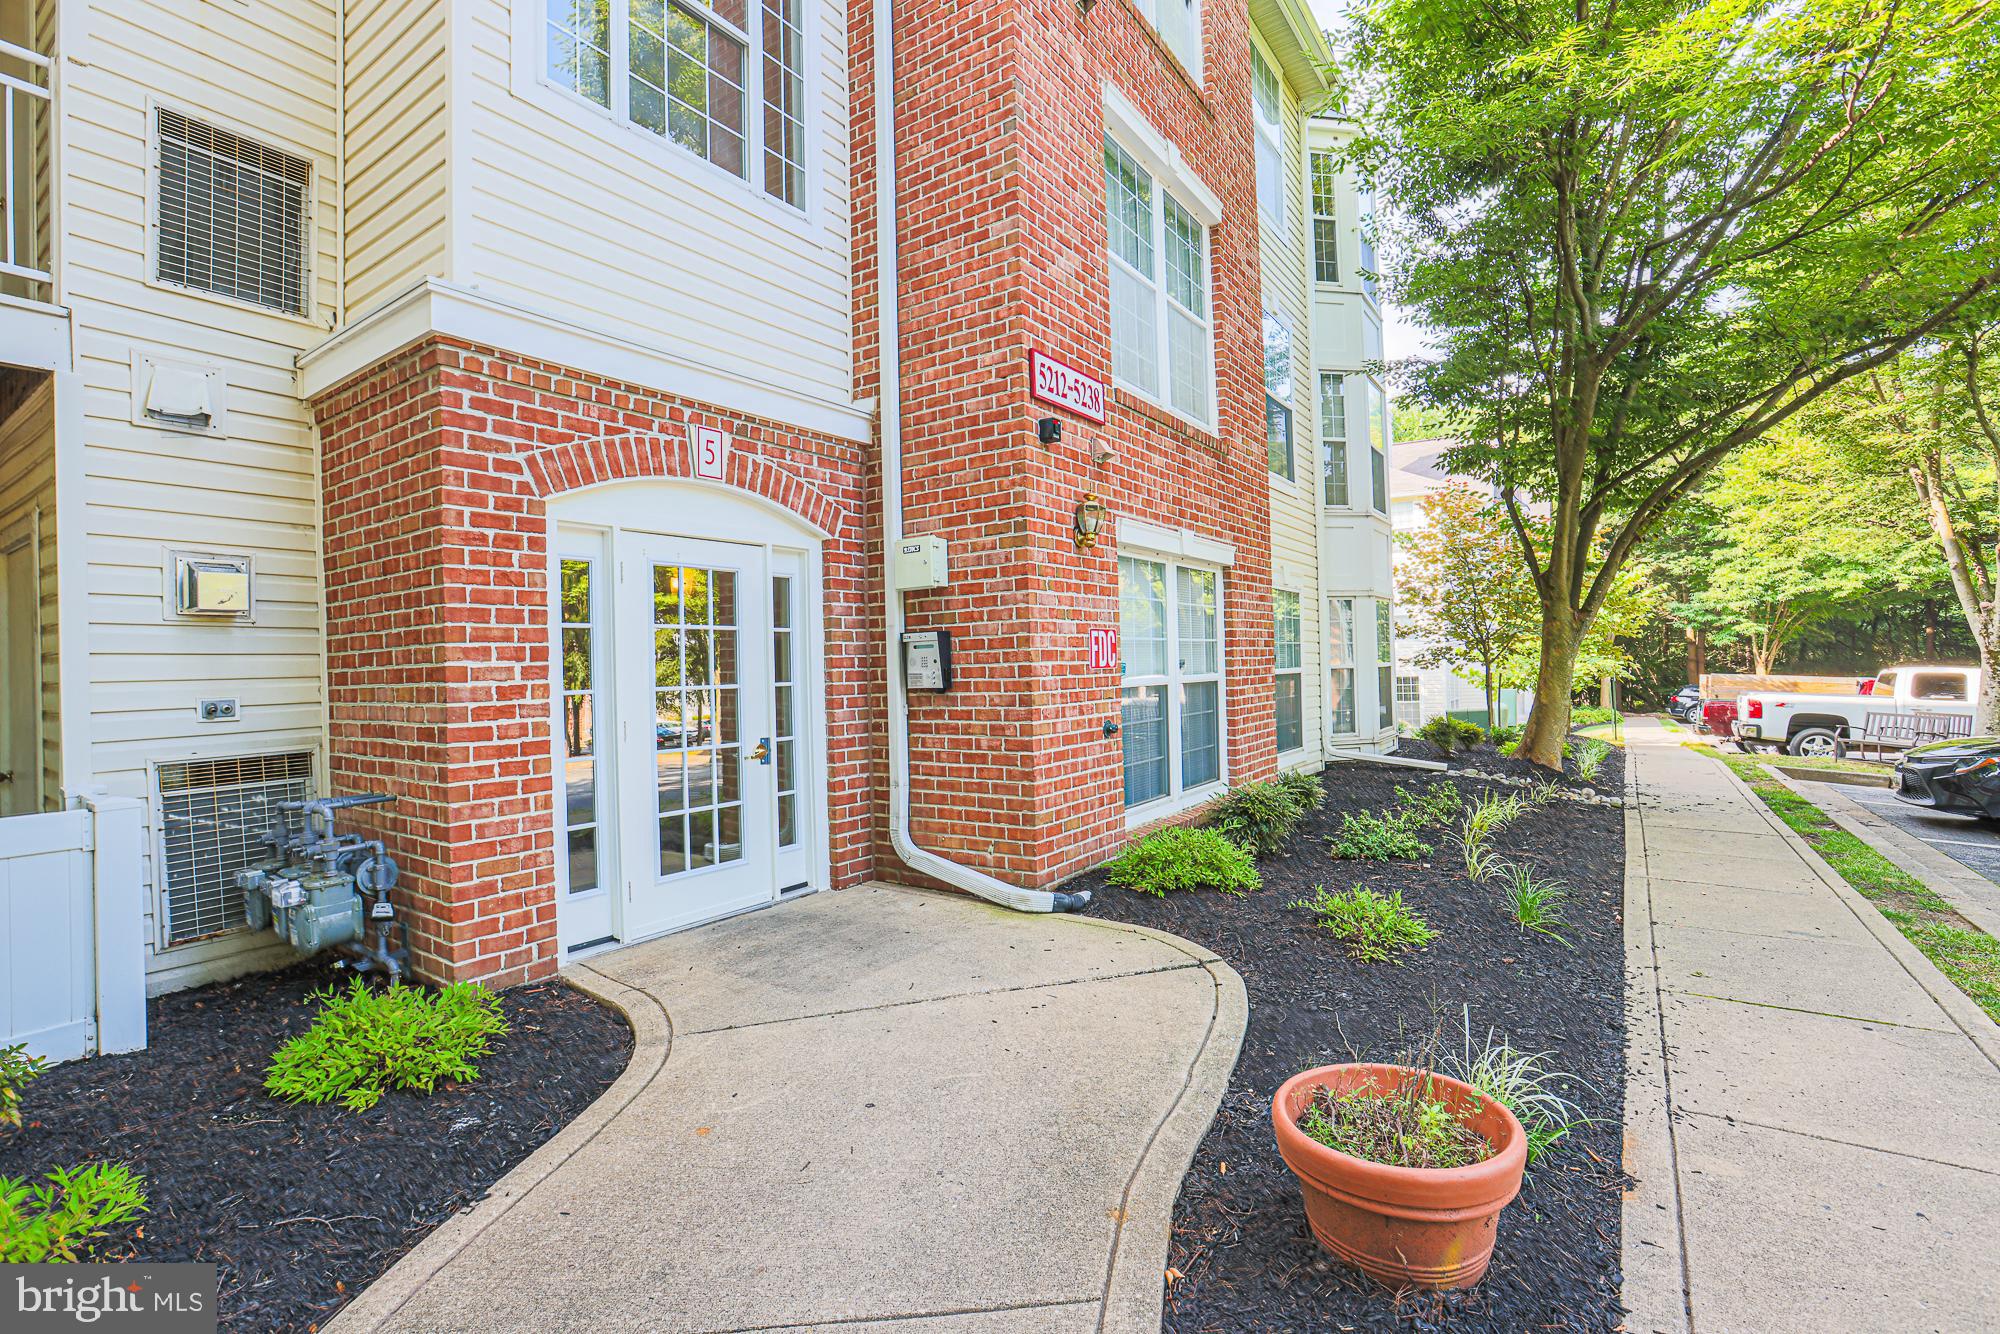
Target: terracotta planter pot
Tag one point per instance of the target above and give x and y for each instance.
(1425, 1227)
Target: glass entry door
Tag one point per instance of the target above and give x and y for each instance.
(694, 642)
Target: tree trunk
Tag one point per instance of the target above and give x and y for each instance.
(1555, 678)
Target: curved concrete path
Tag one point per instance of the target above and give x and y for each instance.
(878, 1108)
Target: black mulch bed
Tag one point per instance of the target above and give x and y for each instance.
(1245, 1257)
(299, 1207)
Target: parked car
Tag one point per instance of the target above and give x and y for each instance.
(1684, 703)
(1823, 724)
(1960, 776)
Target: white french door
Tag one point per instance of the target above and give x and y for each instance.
(697, 768)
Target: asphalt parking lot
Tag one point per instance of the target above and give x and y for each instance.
(1971, 843)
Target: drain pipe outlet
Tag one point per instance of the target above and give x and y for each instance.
(890, 387)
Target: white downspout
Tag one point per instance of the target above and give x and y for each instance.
(889, 376)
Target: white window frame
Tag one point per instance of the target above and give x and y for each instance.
(1190, 60)
(1290, 472)
(1377, 427)
(1271, 135)
(612, 126)
(1178, 798)
(1347, 661)
(1385, 665)
(1331, 217)
(1299, 671)
(1165, 308)
(320, 168)
(1330, 448)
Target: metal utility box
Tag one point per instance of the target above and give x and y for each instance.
(212, 585)
(921, 562)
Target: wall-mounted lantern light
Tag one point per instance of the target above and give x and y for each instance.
(1089, 519)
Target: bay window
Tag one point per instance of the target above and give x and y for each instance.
(1341, 719)
(1170, 638)
(724, 80)
(1333, 439)
(1326, 230)
(1289, 691)
(1159, 290)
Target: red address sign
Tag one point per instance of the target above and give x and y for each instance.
(1059, 383)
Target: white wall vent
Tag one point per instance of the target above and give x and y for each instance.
(231, 216)
(213, 814)
(179, 395)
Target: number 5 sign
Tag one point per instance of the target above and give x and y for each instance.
(708, 449)
(1103, 648)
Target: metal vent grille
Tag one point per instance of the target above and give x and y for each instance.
(213, 814)
(231, 214)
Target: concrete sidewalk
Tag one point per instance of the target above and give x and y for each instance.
(1812, 1109)
(876, 1109)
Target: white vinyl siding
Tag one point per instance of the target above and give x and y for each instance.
(1171, 706)
(628, 232)
(1158, 256)
(271, 73)
(397, 154)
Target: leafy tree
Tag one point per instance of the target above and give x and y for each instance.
(1461, 589)
(1927, 419)
(1644, 233)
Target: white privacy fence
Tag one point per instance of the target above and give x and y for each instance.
(72, 952)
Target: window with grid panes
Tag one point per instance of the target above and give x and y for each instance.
(1158, 255)
(724, 80)
(1326, 231)
(1170, 638)
(1341, 719)
(1333, 439)
(1385, 665)
(579, 724)
(1288, 693)
(1266, 97)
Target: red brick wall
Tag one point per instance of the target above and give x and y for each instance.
(436, 466)
(1000, 143)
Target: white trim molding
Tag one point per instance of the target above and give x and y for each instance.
(433, 306)
(1137, 535)
(1128, 125)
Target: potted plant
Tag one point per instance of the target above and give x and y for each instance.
(1413, 1194)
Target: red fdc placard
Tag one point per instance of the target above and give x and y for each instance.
(1103, 648)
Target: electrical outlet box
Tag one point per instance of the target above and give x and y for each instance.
(216, 710)
(921, 562)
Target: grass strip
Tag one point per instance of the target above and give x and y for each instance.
(1961, 951)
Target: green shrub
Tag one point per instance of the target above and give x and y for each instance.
(1375, 927)
(1506, 737)
(1590, 757)
(17, 1071)
(1256, 816)
(1365, 836)
(1593, 716)
(1306, 790)
(60, 1219)
(1185, 859)
(366, 1042)
(1537, 904)
(1438, 804)
(1448, 733)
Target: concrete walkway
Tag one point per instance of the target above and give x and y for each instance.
(873, 1109)
(1812, 1109)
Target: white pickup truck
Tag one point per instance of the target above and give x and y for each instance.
(1823, 724)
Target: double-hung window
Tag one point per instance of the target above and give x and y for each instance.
(1179, 24)
(1159, 290)
(1333, 439)
(724, 79)
(1378, 447)
(1170, 633)
(1326, 230)
(1288, 693)
(1340, 659)
(1385, 665)
(1278, 394)
(1270, 107)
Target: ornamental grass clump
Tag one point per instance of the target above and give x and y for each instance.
(1590, 757)
(1376, 928)
(366, 1042)
(61, 1218)
(1365, 836)
(1407, 1126)
(1537, 904)
(1185, 859)
(1522, 1083)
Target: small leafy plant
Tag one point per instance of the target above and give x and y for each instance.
(1188, 859)
(366, 1042)
(1590, 757)
(60, 1219)
(1365, 836)
(1522, 1083)
(17, 1071)
(1448, 733)
(1257, 816)
(1407, 1126)
(1375, 927)
(1537, 904)
(1306, 790)
(1438, 804)
(1506, 736)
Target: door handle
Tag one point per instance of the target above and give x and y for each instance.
(762, 752)
(6, 775)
